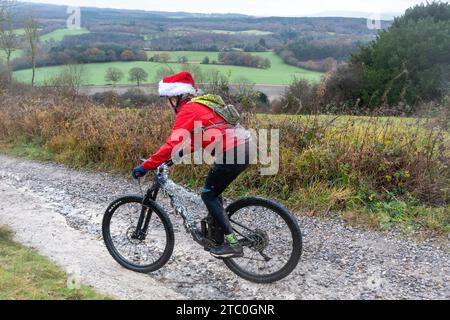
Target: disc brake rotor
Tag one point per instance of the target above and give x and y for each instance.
(259, 239)
(131, 236)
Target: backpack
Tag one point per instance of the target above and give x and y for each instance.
(228, 112)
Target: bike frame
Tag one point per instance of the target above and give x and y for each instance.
(162, 183)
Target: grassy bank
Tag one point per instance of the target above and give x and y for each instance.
(15, 54)
(379, 172)
(26, 275)
(94, 73)
(59, 34)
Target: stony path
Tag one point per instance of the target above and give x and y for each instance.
(58, 211)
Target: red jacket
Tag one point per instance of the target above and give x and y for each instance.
(188, 116)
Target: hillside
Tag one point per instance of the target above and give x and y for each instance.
(200, 35)
(276, 29)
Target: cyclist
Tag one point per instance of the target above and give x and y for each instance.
(192, 109)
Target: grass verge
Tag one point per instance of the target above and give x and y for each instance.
(361, 207)
(380, 172)
(26, 275)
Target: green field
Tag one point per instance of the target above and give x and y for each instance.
(20, 32)
(56, 35)
(59, 34)
(279, 74)
(15, 54)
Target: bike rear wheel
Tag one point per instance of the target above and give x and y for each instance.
(144, 254)
(271, 237)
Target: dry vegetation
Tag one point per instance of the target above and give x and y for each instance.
(381, 172)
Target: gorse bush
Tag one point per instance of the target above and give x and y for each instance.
(384, 169)
(409, 62)
(406, 66)
(338, 94)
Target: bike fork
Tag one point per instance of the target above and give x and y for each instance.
(146, 216)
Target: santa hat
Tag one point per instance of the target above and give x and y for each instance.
(177, 85)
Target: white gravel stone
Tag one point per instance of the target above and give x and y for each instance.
(59, 211)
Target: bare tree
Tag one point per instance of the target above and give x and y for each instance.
(8, 37)
(76, 74)
(69, 81)
(114, 75)
(138, 75)
(165, 57)
(32, 36)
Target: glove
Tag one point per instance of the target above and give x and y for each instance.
(139, 172)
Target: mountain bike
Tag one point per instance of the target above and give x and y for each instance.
(140, 236)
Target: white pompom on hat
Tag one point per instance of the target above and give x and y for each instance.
(179, 84)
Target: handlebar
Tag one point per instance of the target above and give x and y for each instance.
(169, 163)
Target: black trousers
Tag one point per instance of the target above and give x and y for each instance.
(221, 175)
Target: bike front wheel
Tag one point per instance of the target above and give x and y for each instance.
(271, 238)
(145, 250)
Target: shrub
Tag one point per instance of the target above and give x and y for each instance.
(160, 57)
(69, 81)
(183, 59)
(132, 98)
(205, 60)
(136, 98)
(108, 98)
(299, 98)
(387, 169)
(339, 89)
(408, 63)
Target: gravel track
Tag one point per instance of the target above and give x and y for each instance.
(58, 211)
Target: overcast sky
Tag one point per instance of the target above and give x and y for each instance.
(250, 7)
